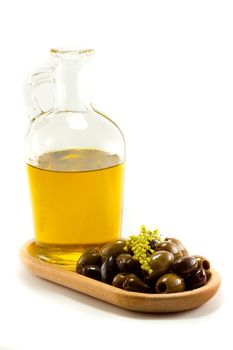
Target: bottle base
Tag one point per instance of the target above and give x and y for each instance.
(65, 256)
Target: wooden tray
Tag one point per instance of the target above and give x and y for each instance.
(153, 303)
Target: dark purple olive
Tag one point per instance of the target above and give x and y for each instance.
(196, 280)
(179, 244)
(92, 271)
(109, 270)
(202, 262)
(134, 284)
(170, 283)
(184, 266)
(154, 243)
(169, 247)
(89, 257)
(126, 263)
(120, 278)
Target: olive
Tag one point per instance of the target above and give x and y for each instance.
(170, 247)
(113, 248)
(202, 262)
(120, 278)
(160, 263)
(109, 269)
(92, 271)
(89, 257)
(184, 266)
(153, 243)
(208, 274)
(170, 283)
(179, 244)
(126, 263)
(135, 284)
(197, 279)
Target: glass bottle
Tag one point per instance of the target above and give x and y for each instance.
(75, 162)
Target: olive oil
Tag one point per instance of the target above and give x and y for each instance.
(76, 201)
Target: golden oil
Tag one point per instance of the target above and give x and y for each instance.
(76, 201)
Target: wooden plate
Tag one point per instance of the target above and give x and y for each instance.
(153, 303)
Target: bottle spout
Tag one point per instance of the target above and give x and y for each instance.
(72, 79)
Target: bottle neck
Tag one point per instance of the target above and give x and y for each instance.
(72, 85)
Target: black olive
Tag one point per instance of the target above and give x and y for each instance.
(126, 263)
(153, 243)
(119, 279)
(184, 266)
(92, 271)
(135, 284)
(196, 280)
(89, 257)
(109, 270)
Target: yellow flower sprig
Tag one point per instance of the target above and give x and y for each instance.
(140, 246)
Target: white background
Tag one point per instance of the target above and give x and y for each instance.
(165, 75)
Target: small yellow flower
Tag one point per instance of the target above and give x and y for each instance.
(140, 246)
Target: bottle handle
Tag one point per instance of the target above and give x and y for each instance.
(34, 99)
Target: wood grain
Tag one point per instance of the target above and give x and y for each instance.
(151, 303)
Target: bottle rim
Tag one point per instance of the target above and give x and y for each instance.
(61, 52)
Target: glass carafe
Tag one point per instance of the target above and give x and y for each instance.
(75, 162)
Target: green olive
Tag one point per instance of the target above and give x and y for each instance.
(170, 283)
(113, 248)
(89, 257)
(202, 262)
(92, 271)
(184, 266)
(197, 279)
(208, 274)
(109, 270)
(179, 244)
(135, 284)
(126, 263)
(120, 278)
(160, 263)
(170, 247)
